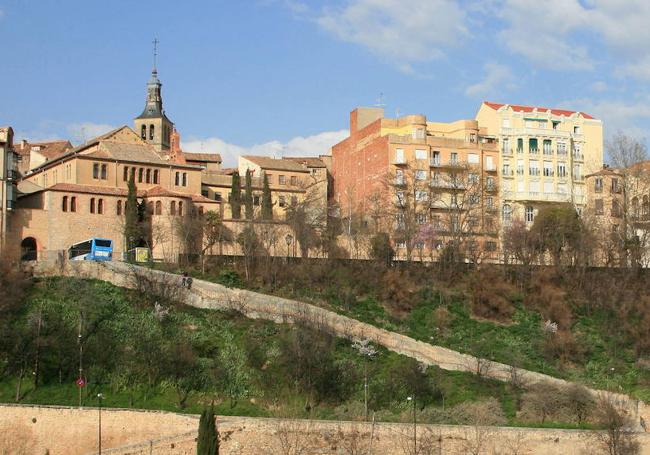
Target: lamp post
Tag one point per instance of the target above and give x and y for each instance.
(415, 423)
(100, 397)
(289, 239)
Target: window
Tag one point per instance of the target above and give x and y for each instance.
(561, 170)
(435, 159)
(100, 206)
(506, 168)
(151, 132)
(472, 178)
(454, 158)
(282, 201)
(177, 179)
(294, 180)
(490, 245)
(421, 196)
(472, 158)
(118, 209)
(489, 202)
(615, 187)
(201, 211)
(104, 172)
(180, 208)
(506, 213)
(126, 174)
(150, 207)
(399, 177)
(399, 156)
(530, 214)
(546, 145)
(489, 183)
(140, 175)
(577, 151)
(577, 130)
(132, 175)
(505, 123)
(548, 169)
(577, 174)
(294, 201)
(148, 176)
(520, 167)
(598, 206)
(420, 154)
(520, 145)
(616, 208)
(172, 208)
(73, 204)
(561, 148)
(505, 145)
(282, 180)
(96, 171)
(92, 205)
(533, 168)
(533, 187)
(420, 218)
(489, 163)
(217, 197)
(158, 208)
(143, 132)
(474, 199)
(420, 175)
(256, 200)
(548, 187)
(598, 184)
(184, 178)
(64, 204)
(532, 145)
(155, 176)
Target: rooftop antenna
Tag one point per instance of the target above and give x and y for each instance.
(380, 100)
(155, 52)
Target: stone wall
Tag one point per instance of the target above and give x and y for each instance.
(72, 431)
(254, 305)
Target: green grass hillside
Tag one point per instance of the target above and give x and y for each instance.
(145, 355)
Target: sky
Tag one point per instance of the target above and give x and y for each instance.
(279, 77)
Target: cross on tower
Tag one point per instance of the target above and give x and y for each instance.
(155, 51)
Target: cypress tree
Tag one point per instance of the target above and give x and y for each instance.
(248, 195)
(131, 216)
(267, 205)
(208, 440)
(235, 196)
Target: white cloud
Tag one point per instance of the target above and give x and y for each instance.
(81, 132)
(599, 86)
(399, 32)
(315, 145)
(617, 115)
(498, 78)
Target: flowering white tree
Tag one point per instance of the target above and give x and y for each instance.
(368, 351)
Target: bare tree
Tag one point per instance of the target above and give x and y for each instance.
(292, 437)
(618, 436)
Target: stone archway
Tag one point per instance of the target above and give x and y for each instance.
(28, 249)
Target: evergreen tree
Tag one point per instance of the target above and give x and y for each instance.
(208, 440)
(132, 216)
(235, 196)
(267, 205)
(248, 195)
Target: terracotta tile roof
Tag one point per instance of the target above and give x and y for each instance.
(309, 161)
(266, 162)
(203, 199)
(520, 108)
(50, 149)
(606, 171)
(140, 153)
(203, 157)
(159, 191)
(90, 189)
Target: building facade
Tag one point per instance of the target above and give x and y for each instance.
(430, 184)
(8, 178)
(545, 155)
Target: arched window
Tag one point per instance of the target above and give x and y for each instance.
(150, 207)
(132, 173)
(104, 172)
(140, 175)
(119, 208)
(172, 208)
(92, 205)
(180, 208)
(177, 180)
(155, 176)
(96, 170)
(64, 204)
(100, 206)
(126, 173)
(158, 208)
(143, 133)
(506, 213)
(151, 131)
(148, 177)
(184, 178)
(73, 204)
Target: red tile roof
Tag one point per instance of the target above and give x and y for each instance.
(203, 157)
(50, 150)
(520, 108)
(309, 161)
(156, 191)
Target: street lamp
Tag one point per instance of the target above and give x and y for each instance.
(289, 239)
(100, 397)
(415, 434)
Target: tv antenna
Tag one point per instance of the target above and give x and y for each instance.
(380, 100)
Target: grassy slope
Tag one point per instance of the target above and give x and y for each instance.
(273, 390)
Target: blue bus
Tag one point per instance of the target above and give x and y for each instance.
(91, 250)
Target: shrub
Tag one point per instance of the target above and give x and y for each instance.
(490, 295)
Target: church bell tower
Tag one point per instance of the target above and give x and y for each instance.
(152, 125)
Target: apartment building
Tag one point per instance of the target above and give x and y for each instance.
(545, 155)
(33, 154)
(8, 178)
(434, 182)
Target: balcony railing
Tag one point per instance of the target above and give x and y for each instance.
(520, 151)
(578, 157)
(528, 131)
(534, 171)
(507, 172)
(533, 150)
(506, 151)
(492, 168)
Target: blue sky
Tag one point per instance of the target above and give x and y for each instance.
(280, 76)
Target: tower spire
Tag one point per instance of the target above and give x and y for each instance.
(155, 53)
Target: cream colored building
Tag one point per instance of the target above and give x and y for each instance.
(545, 155)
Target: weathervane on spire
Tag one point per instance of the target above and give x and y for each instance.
(155, 52)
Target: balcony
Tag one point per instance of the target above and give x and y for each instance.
(536, 132)
(520, 151)
(492, 168)
(536, 196)
(533, 171)
(435, 163)
(533, 151)
(506, 151)
(562, 152)
(548, 152)
(508, 173)
(578, 157)
(399, 161)
(549, 173)
(442, 205)
(451, 184)
(490, 188)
